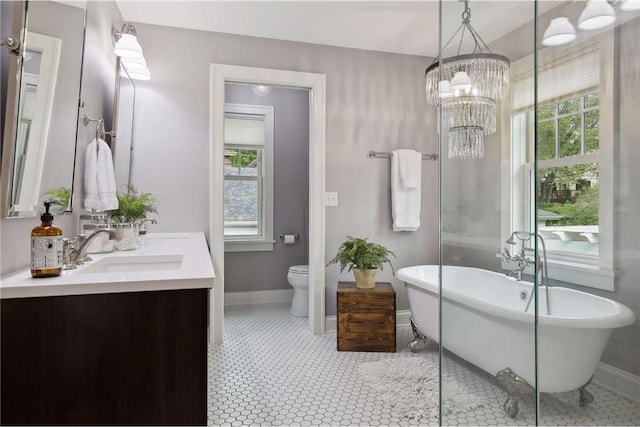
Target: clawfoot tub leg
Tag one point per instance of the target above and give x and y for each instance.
(585, 396)
(516, 388)
(419, 339)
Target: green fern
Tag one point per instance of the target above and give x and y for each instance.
(358, 253)
(133, 206)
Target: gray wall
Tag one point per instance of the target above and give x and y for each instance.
(97, 94)
(291, 192)
(375, 101)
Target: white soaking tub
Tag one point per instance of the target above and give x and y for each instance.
(485, 323)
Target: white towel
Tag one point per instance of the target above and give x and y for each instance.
(405, 201)
(99, 178)
(410, 162)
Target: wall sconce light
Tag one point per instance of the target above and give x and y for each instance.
(596, 14)
(127, 45)
(134, 64)
(130, 53)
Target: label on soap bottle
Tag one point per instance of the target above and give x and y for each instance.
(46, 252)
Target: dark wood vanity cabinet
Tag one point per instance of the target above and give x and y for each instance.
(136, 358)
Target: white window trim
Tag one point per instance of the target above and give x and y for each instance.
(265, 242)
(603, 275)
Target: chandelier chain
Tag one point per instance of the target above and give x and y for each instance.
(466, 13)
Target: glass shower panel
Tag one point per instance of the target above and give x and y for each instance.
(588, 214)
(487, 301)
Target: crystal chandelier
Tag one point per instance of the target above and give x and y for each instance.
(466, 88)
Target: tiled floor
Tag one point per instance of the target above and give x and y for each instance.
(272, 371)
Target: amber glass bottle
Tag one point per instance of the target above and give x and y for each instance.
(46, 247)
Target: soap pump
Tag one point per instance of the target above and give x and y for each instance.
(46, 247)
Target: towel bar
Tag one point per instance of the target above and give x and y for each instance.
(382, 155)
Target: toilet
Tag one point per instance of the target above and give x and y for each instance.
(298, 278)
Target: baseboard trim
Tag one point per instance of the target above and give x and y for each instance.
(258, 297)
(618, 381)
(402, 319)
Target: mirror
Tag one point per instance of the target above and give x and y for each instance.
(41, 110)
(125, 100)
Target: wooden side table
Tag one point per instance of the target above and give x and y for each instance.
(366, 318)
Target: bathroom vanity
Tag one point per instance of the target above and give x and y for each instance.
(120, 340)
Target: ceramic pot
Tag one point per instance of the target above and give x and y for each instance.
(365, 279)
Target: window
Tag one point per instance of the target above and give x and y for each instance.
(248, 178)
(570, 204)
(567, 190)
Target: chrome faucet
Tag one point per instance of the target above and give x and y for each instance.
(522, 261)
(76, 255)
(143, 230)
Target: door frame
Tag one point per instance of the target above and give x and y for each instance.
(220, 74)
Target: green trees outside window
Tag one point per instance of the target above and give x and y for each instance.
(569, 132)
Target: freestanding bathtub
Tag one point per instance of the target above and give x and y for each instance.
(484, 322)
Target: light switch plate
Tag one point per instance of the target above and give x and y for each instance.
(331, 199)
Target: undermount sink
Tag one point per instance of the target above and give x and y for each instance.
(119, 264)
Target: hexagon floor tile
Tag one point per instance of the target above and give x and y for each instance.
(271, 370)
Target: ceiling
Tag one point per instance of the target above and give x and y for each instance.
(408, 27)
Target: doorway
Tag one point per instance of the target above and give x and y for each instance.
(315, 83)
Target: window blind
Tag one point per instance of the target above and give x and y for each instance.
(244, 131)
(572, 73)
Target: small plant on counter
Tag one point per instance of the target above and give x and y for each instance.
(133, 207)
(364, 258)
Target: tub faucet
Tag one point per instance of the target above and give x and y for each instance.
(522, 261)
(76, 255)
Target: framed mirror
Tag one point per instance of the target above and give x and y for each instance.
(41, 111)
(124, 106)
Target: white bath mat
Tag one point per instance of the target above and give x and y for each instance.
(410, 387)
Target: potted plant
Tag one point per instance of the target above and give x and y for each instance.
(132, 208)
(364, 258)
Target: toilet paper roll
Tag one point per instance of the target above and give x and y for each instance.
(289, 239)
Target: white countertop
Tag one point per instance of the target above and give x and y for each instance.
(195, 271)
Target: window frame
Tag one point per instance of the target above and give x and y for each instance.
(557, 161)
(518, 163)
(264, 241)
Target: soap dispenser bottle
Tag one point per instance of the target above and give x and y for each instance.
(46, 247)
